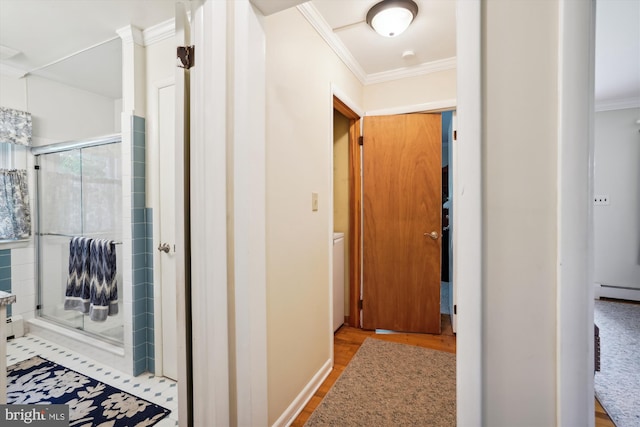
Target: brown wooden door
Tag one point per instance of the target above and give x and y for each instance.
(402, 206)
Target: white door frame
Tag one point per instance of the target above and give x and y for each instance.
(246, 158)
(211, 389)
(575, 290)
(228, 215)
(467, 215)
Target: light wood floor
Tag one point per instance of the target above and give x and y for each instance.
(348, 340)
(602, 419)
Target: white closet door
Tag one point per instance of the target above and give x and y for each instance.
(167, 214)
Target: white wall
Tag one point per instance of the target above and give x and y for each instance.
(617, 175)
(13, 92)
(60, 112)
(23, 280)
(117, 113)
(519, 51)
(300, 70)
(160, 68)
(418, 90)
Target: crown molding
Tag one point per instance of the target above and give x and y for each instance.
(162, 31)
(617, 104)
(419, 70)
(316, 20)
(131, 34)
(159, 32)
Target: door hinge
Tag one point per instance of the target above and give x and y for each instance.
(38, 307)
(455, 309)
(36, 167)
(361, 140)
(186, 56)
(360, 305)
(455, 135)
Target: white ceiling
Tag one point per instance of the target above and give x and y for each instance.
(431, 36)
(44, 31)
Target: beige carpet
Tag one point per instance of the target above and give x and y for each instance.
(617, 384)
(389, 384)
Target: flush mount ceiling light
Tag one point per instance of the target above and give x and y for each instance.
(390, 18)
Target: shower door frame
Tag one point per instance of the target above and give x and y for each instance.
(52, 149)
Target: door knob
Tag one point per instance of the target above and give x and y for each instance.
(164, 247)
(434, 235)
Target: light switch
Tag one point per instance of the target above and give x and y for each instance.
(314, 201)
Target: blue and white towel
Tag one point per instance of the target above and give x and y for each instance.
(103, 285)
(92, 286)
(77, 293)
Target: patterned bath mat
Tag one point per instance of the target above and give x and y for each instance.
(91, 403)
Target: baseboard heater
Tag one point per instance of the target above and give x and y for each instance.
(15, 327)
(619, 292)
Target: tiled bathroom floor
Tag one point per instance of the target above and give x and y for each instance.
(159, 390)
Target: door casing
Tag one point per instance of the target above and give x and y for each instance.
(355, 209)
(355, 188)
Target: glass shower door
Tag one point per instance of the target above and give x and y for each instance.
(102, 219)
(59, 216)
(79, 194)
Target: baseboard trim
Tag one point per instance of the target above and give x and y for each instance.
(298, 404)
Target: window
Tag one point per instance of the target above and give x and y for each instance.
(6, 155)
(15, 215)
(15, 137)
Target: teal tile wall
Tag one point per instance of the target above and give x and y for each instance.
(142, 253)
(149, 313)
(5, 274)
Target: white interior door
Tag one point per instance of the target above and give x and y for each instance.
(167, 146)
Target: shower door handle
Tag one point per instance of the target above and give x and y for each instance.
(164, 247)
